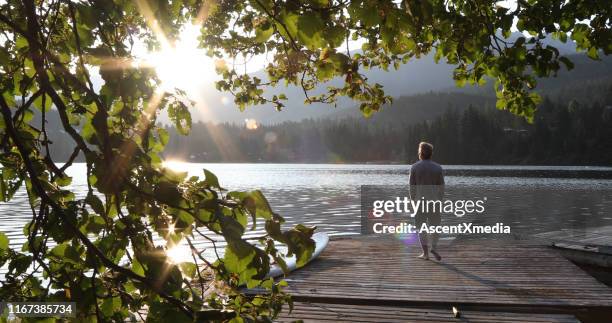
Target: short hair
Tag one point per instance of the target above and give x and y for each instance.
(425, 150)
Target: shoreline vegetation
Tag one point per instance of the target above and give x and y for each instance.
(562, 134)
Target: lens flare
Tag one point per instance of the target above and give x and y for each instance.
(179, 253)
(182, 64)
(175, 165)
(408, 239)
(251, 124)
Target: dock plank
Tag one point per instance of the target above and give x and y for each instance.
(601, 236)
(385, 270)
(321, 312)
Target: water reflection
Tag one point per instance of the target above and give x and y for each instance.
(328, 196)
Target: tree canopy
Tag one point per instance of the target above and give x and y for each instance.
(309, 41)
(100, 248)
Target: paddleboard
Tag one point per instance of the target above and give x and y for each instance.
(321, 240)
(586, 254)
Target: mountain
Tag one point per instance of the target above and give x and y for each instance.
(417, 76)
(563, 133)
(587, 83)
(408, 110)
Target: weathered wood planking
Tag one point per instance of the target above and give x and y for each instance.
(600, 236)
(383, 270)
(321, 312)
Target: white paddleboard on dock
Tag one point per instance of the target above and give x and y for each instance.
(321, 240)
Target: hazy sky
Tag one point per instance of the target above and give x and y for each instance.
(187, 67)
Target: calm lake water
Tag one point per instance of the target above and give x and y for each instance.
(328, 196)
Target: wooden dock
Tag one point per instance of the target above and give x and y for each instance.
(323, 312)
(498, 277)
(599, 236)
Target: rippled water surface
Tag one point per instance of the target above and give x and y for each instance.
(328, 196)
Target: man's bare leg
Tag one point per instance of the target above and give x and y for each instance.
(434, 237)
(434, 246)
(423, 240)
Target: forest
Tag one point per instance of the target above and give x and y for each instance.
(562, 133)
(464, 129)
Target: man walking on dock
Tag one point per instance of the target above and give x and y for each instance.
(426, 184)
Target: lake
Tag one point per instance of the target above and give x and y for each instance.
(539, 199)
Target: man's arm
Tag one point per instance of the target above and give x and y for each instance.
(412, 180)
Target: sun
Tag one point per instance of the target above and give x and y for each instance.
(182, 64)
(176, 165)
(179, 253)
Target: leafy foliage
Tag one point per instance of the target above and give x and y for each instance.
(307, 39)
(100, 249)
(108, 249)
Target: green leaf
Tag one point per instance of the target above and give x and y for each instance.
(95, 224)
(5, 56)
(189, 269)
(298, 240)
(30, 71)
(262, 35)
(4, 242)
(137, 267)
(66, 252)
(95, 203)
(255, 203)
(310, 30)
(568, 64)
(325, 70)
(593, 53)
(246, 260)
(238, 255)
(368, 15)
(335, 36)
(211, 179)
(19, 264)
(289, 26)
(161, 312)
(38, 103)
(21, 42)
(63, 181)
(167, 192)
(179, 114)
(88, 132)
(110, 305)
(460, 82)
(164, 136)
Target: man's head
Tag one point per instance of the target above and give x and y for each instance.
(425, 150)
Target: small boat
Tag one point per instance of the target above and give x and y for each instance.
(588, 254)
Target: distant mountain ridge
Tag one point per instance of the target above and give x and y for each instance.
(587, 83)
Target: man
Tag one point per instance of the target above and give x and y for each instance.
(427, 183)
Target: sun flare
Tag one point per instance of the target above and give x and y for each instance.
(179, 253)
(182, 64)
(175, 165)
